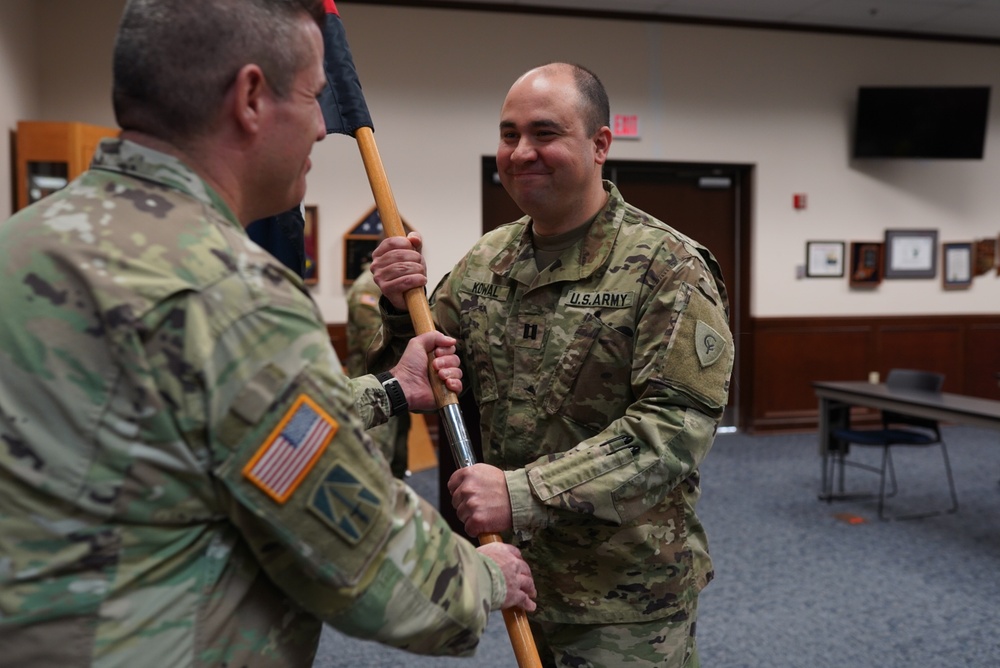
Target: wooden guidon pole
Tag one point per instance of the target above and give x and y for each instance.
(447, 402)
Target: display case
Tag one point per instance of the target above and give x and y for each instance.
(363, 237)
(50, 154)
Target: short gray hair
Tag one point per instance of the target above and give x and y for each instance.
(174, 60)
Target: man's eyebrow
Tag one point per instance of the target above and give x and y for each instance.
(534, 125)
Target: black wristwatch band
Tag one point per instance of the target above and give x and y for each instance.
(397, 400)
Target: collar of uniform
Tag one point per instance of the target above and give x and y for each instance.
(132, 159)
(577, 262)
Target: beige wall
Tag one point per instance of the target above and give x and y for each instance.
(20, 83)
(435, 79)
(77, 39)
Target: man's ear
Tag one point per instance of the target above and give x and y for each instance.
(602, 143)
(249, 96)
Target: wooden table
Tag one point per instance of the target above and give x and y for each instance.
(837, 397)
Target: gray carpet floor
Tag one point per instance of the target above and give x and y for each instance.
(801, 583)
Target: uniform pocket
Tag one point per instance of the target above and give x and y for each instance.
(591, 383)
(304, 476)
(700, 353)
(477, 335)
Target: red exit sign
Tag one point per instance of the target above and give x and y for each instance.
(625, 126)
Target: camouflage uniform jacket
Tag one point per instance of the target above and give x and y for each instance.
(184, 477)
(363, 322)
(601, 381)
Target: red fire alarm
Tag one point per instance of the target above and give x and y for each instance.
(799, 200)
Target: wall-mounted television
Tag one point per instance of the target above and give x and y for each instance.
(946, 122)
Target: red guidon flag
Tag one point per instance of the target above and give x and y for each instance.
(343, 104)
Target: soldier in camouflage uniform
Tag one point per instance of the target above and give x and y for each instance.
(185, 479)
(596, 341)
(363, 322)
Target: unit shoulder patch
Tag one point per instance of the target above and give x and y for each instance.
(291, 449)
(344, 504)
(708, 343)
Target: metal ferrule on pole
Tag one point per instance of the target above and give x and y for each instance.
(458, 435)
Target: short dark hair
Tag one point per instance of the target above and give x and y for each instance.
(174, 60)
(597, 108)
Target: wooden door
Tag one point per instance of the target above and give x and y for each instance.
(705, 202)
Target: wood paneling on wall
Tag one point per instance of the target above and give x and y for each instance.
(338, 337)
(982, 363)
(783, 356)
(789, 353)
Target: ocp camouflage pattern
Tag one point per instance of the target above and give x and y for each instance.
(148, 351)
(601, 381)
(363, 322)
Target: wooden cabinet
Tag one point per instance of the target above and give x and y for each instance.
(50, 154)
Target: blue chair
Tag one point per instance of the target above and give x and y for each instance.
(898, 430)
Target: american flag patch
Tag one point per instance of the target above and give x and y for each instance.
(291, 449)
(368, 300)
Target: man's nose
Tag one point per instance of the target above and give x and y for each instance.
(524, 151)
(320, 123)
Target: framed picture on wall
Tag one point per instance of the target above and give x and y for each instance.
(984, 256)
(866, 264)
(956, 260)
(910, 253)
(824, 259)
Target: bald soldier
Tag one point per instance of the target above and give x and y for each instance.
(185, 478)
(596, 340)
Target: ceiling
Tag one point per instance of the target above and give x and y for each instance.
(972, 20)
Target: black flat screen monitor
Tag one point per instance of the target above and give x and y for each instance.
(947, 122)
